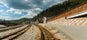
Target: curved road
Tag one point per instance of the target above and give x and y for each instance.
(45, 34)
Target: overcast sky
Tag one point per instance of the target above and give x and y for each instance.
(16, 9)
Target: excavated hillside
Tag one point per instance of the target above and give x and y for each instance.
(76, 10)
(70, 29)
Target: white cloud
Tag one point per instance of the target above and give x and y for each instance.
(50, 3)
(5, 17)
(16, 11)
(30, 14)
(10, 10)
(39, 9)
(32, 5)
(1, 6)
(1, 11)
(26, 0)
(3, 2)
(46, 1)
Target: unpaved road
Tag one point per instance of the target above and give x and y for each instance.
(27, 32)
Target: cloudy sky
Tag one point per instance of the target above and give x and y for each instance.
(16, 9)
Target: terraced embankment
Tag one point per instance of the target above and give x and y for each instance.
(70, 29)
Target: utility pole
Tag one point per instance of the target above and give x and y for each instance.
(44, 19)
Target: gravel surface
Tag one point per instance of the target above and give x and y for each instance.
(5, 33)
(32, 34)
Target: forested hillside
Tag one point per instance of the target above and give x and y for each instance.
(15, 22)
(59, 8)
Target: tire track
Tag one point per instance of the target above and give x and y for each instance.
(9, 28)
(16, 33)
(45, 34)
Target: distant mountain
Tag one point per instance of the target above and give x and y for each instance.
(15, 22)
